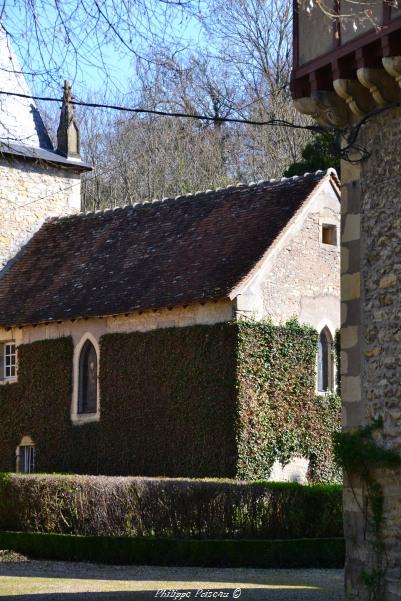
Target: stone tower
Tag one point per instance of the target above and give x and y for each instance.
(37, 181)
(352, 81)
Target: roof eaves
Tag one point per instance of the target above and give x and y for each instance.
(46, 156)
(72, 318)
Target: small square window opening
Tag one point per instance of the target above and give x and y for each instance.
(329, 234)
(10, 361)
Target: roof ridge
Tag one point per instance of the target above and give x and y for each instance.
(329, 171)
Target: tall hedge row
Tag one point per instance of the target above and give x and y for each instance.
(210, 400)
(174, 508)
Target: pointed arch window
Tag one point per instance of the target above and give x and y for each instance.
(325, 363)
(87, 384)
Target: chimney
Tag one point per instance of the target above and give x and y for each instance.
(68, 131)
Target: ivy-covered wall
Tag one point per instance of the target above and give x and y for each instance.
(38, 405)
(213, 400)
(168, 401)
(279, 413)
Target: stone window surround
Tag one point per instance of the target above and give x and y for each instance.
(84, 418)
(329, 222)
(3, 378)
(326, 323)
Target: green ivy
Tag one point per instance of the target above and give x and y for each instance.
(227, 399)
(358, 454)
(38, 405)
(280, 414)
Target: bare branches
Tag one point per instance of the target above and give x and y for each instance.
(72, 36)
(236, 76)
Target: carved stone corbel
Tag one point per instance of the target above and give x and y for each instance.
(324, 107)
(355, 95)
(392, 64)
(381, 86)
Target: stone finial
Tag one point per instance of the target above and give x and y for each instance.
(68, 132)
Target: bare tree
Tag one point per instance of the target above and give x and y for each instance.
(255, 38)
(76, 36)
(247, 75)
(240, 69)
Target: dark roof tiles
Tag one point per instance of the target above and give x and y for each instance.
(151, 255)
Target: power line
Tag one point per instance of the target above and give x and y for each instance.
(272, 122)
(351, 134)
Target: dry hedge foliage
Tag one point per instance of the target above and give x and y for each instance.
(177, 508)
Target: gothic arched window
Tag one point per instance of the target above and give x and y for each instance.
(87, 389)
(325, 365)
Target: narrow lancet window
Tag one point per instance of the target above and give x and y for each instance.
(87, 393)
(325, 376)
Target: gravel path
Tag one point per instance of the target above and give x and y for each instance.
(60, 581)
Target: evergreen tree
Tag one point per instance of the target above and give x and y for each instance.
(320, 153)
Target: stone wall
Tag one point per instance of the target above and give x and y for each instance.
(371, 342)
(31, 192)
(196, 314)
(302, 278)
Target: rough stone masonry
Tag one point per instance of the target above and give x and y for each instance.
(371, 340)
(32, 191)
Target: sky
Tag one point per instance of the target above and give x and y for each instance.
(96, 58)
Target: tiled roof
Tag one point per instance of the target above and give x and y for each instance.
(151, 255)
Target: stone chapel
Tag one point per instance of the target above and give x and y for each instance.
(120, 329)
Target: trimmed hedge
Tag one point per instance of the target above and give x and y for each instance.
(300, 553)
(176, 508)
(222, 400)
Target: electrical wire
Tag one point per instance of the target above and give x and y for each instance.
(273, 122)
(346, 153)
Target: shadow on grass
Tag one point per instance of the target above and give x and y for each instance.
(89, 571)
(246, 595)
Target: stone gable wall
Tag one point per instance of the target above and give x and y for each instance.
(305, 275)
(302, 279)
(29, 193)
